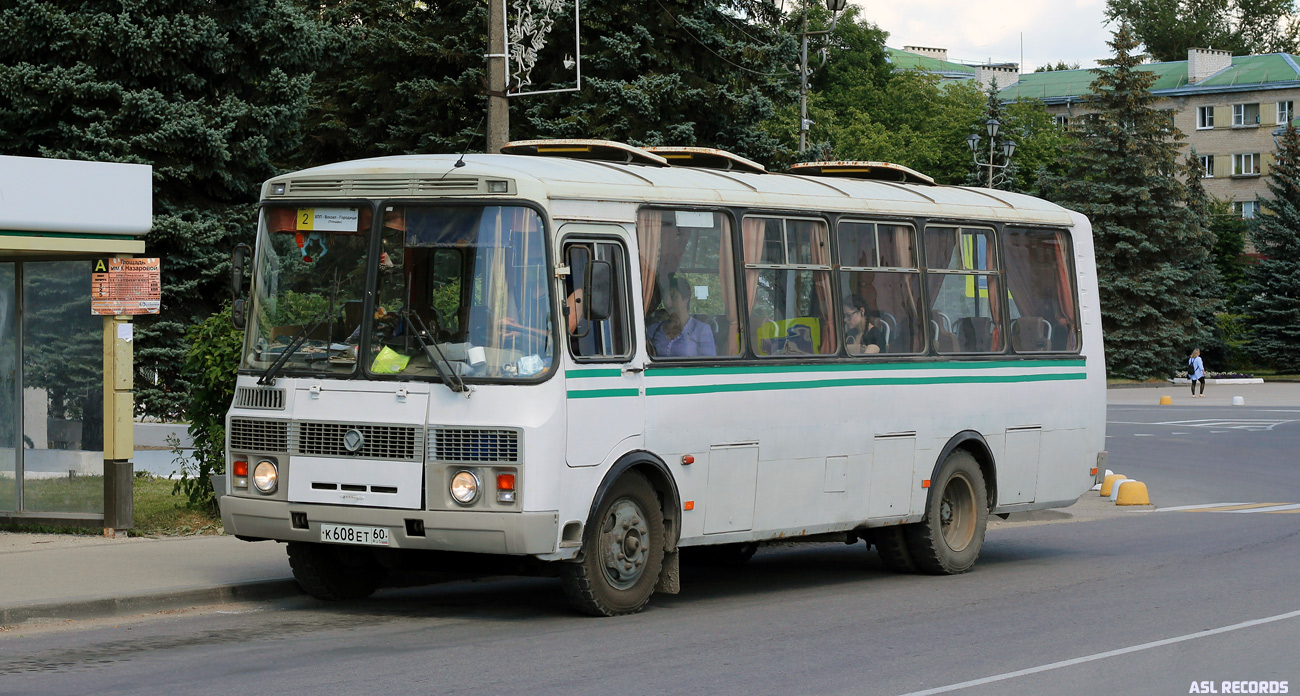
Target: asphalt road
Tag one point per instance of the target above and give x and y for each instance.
(1113, 601)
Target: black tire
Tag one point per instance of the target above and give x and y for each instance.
(721, 555)
(335, 573)
(949, 538)
(622, 552)
(891, 544)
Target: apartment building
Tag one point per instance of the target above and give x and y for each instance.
(1227, 106)
(935, 60)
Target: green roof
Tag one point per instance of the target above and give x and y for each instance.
(905, 60)
(1245, 71)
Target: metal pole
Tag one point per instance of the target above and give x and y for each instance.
(990, 161)
(803, 87)
(498, 114)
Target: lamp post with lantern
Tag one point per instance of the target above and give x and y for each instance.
(835, 6)
(991, 126)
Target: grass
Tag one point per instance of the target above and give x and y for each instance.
(157, 511)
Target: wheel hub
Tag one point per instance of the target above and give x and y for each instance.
(623, 550)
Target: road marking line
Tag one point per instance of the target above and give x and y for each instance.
(1197, 507)
(1282, 512)
(1102, 656)
(1241, 507)
(1279, 507)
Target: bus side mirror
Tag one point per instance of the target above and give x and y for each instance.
(237, 259)
(598, 287)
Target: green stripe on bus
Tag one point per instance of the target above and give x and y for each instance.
(673, 371)
(863, 381)
(580, 374)
(599, 393)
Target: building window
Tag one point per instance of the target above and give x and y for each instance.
(1062, 121)
(1245, 164)
(1204, 117)
(1207, 166)
(1245, 114)
(1246, 209)
(1285, 112)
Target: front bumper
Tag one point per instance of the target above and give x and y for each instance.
(514, 533)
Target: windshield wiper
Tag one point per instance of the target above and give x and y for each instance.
(454, 383)
(268, 377)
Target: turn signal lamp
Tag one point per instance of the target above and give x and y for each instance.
(505, 488)
(239, 470)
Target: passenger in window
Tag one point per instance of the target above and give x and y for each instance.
(862, 332)
(680, 335)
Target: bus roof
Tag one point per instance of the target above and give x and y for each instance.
(562, 179)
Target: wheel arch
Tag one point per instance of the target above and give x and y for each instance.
(974, 444)
(661, 479)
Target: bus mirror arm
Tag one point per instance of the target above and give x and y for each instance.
(238, 309)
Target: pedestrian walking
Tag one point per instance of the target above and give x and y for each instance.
(1196, 373)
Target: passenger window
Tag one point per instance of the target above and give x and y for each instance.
(963, 288)
(688, 284)
(881, 286)
(788, 286)
(1040, 293)
(596, 338)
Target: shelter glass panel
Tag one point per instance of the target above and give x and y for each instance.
(9, 413)
(63, 390)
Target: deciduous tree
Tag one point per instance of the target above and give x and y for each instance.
(1169, 27)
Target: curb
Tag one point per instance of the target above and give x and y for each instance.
(160, 601)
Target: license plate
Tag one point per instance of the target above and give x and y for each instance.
(351, 534)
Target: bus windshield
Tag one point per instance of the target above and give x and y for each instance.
(472, 280)
(310, 279)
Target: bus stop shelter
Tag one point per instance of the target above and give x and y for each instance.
(66, 409)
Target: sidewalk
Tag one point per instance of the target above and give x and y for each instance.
(63, 576)
(1266, 395)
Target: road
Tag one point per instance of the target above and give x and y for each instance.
(1109, 601)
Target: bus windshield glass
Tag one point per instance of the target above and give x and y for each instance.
(309, 284)
(471, 279)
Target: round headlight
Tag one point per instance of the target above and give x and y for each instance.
(265, 476)
(464, 487)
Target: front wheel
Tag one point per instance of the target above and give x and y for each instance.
(950, 537)
(622, 552)
(335, 572)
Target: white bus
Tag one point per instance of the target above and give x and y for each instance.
(593, 358)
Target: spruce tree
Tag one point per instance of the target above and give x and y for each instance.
(210, 94)
(1273, 284)
(1122, 174)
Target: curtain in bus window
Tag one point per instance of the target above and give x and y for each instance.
(1038, 286)
(649, 224)
(752, 231)
(965, 307)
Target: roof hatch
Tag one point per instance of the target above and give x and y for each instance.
(575, 148)
(706, 158)
(880, 171)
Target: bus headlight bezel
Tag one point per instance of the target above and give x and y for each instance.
(266, 477)
(469, 486)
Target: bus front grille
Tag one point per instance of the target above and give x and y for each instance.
(377, 441)
(474, 445)
(255, 435)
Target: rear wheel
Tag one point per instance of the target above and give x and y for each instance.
(950, 537)
(622, 552)
(335, 572)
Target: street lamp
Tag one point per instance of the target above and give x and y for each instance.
(991, 126)
(835, 6)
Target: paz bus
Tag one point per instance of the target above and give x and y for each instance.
(595, 359)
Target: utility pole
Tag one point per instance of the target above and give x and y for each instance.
(498, 113)
(835, 6)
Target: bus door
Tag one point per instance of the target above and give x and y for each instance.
(604, 387)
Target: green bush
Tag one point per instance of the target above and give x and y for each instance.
(210, 367)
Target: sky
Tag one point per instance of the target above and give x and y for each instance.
(980, 30)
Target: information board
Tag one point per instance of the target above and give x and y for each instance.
(125, 286)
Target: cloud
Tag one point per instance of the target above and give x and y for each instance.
(982, 30)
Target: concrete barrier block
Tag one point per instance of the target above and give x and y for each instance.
(1131, 492)
(1108, 484)
(1166, 400)
(1238, 401)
